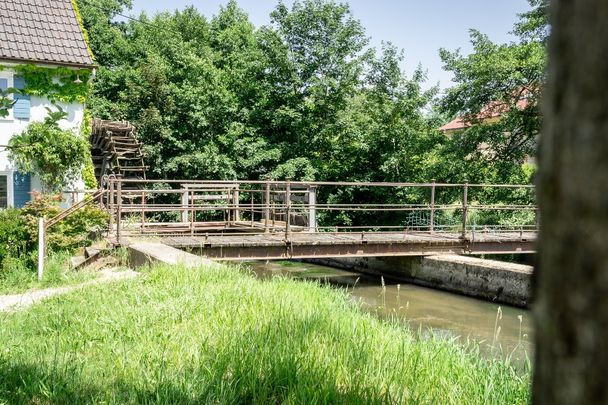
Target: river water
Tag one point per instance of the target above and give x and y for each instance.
(498, 329)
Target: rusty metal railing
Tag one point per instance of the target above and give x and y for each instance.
(194, 207)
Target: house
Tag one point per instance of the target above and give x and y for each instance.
(489, 114)
(45, 34)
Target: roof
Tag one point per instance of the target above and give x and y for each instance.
(42, 31)
(493, 110)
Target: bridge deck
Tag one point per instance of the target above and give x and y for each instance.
(309, 245)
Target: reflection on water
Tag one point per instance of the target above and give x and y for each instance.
(507, 330)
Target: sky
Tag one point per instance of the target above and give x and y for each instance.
(419, 27)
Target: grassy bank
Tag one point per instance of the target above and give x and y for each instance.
(216, 335)
(18, 276)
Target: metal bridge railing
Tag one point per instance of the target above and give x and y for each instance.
(176, 207)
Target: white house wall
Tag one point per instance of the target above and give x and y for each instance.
(10, 126)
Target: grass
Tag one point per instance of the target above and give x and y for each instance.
(18, 277)
(217, 335)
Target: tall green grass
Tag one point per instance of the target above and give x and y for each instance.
(17, 276)
(216, 335)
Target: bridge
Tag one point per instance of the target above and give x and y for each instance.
(246, 220)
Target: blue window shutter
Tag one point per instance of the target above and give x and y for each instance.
(3, 84)
(21, 189)
(21, 109)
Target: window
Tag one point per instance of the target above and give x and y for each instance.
(21, 109)
(3, 191)
(6, 82)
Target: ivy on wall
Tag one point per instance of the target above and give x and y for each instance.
(88, 171)
(57, 84)
(82, 28)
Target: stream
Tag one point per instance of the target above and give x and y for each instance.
(498, 329)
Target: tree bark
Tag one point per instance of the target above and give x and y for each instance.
(571, 310)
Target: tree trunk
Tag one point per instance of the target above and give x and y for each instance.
(572, 281)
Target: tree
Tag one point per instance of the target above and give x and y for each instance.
(504, 80)
(318, 53)
(104, 34)
(572, 280)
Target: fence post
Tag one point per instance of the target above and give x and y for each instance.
(235, 199)
(287, 209)
(432, 218)
(119, 207)
(252, 211)
(41, 247)
(192, 212)
(465, 201)
(184, 213)
(111, 204)
(312, 208)
(266, 207)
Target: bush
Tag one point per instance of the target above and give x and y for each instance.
(19, 241)
(71, 233)
(54, 154)
(15, 240)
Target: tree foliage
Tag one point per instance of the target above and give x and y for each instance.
(497, 92)
(54, 154)
(302, 98)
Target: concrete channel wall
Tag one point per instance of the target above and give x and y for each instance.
(492, 280)
(497, 281)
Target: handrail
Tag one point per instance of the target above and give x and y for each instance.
(75, 207)
(327, 183)
(186, 207)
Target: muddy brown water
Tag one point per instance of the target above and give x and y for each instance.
(498, 329)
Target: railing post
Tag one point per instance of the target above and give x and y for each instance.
(185, 196)
(143, 211)
(192, 212)
(465, 202)
(287, 209)
(111, 204)
(266, 207)
(235, 199)
(432, 216)
(312, 208)
(252, 211)
(118, 207)
(41, 247)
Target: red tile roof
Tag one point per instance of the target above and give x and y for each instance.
(492, 110)
(43, 31)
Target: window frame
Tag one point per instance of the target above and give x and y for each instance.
(9, 76)
(9, 188)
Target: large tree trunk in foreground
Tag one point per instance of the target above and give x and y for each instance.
(572, 281)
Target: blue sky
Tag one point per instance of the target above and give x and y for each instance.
(420, 27)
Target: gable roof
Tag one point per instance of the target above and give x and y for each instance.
(492, 110)
(42, 31)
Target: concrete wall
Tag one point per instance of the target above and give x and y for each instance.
(492, 280)
(10, 126)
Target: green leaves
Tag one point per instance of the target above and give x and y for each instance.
(497, 93)
(57, 156)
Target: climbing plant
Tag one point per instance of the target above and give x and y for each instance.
(56, 155)
(88, 171)
(5, 103)
(56, 84)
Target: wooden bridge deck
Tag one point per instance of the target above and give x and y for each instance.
(349, 244)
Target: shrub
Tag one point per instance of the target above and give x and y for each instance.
(71, 233)
(15, 240)
(54, 154)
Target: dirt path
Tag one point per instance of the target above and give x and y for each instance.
(20, 301)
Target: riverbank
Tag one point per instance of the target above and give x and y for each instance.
(492, 280)
(499, 330)
(180, 335)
